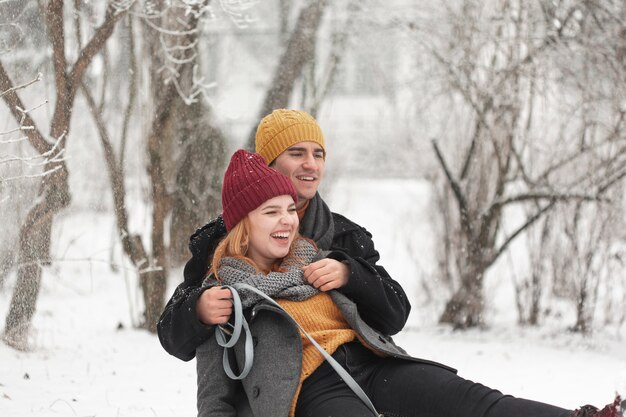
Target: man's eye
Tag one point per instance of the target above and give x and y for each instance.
(296, 154)
(319, 155)
(271, 212)
(291, 209)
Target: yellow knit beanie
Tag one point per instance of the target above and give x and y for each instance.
(283, 128)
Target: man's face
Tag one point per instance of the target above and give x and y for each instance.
(303, 163)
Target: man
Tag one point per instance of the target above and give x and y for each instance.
(291, 142)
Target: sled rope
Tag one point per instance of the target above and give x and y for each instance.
(241, 324)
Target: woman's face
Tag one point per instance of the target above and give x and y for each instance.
(273, 226)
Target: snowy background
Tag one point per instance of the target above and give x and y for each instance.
(87, 356)
(88, 360)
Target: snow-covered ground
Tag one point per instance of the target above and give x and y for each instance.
(88, 360)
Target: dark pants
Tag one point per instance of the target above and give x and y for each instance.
(400, 388)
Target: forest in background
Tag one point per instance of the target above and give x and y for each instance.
(512, 111)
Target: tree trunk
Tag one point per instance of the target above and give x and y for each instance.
(153, 278)
(34, 238)
(197, 195)
(465, 308)
(54, 194)
(300, 50)
(34, 251)
(131, 243)
(583, 318)
(538, 274)
(173, 92)
(535, 301)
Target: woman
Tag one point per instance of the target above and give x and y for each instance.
(289, 376)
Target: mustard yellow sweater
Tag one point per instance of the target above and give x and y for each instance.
(322, 319)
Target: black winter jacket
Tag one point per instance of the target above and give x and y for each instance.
(180, 331)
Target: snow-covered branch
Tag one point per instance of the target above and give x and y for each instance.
(41, 159)
(26, 125)
(22, 118)
(198, 88)
(24, 176)
(53, 155)
(21, 86)
(238, 11)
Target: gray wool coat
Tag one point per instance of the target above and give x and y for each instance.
(270, 386)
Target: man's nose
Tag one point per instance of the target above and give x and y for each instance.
(309, 161)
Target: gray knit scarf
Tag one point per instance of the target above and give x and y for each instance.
(318, 224)
(288, 285)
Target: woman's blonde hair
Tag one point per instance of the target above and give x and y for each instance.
(235, 245)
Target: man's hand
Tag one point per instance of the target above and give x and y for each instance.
(215, 306)
(326, 274)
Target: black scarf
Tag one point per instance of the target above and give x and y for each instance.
(318, 224)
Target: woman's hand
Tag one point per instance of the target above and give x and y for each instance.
(214, 306)
(326, 274)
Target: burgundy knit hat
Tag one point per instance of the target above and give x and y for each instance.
(248, 183)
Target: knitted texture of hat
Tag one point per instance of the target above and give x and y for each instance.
(283, 128)
(248, 183)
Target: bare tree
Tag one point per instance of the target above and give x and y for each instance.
(196, 194)
(178, 121)
(299, 51)
(529, 291)
(316, 87)
(16, 169)
(572, 251)
(186, 151)
(496, 60)
(182, 143)
(54, 194)
(587, 259)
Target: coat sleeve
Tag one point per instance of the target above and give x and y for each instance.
(180, 332)
(380, 300)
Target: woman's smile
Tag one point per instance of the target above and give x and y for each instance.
(273, 227)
